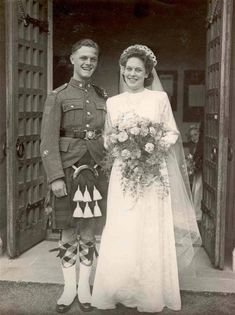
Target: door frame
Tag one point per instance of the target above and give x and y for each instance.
(11, 92)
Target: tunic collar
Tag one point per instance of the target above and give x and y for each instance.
(79, 84)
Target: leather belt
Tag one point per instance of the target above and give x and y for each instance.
(84, 134)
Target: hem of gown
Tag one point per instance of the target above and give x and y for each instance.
(140, 309)
(104, 307)
(159, 310)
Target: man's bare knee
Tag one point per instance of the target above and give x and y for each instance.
(69, 235)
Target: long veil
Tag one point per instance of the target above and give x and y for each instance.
(187, 235)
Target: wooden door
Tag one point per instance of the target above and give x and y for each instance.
(216, 129)
(26, 30)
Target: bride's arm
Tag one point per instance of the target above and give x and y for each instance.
(172, 132)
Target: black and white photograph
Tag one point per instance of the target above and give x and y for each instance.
(117, 157)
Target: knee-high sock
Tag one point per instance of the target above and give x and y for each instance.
(70, 285)
(84, 293)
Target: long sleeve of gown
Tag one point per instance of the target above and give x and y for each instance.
(108, 126)
(172, 132)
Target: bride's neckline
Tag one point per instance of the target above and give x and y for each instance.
(136, 93)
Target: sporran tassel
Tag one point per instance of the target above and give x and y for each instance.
(96, 194)
(78, 213)
(97, 212)
(87, 212)
(87, 197)
(78, 195)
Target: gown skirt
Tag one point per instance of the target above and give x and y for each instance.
(137, 264)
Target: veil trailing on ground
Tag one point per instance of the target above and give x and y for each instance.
(187, 236)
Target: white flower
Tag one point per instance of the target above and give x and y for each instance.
(113, 138)
(122, 136)
(126, 154)
(149, 147)
(158, 135)
(135, 131)
(152, 131)
(136, 170)
(144, 131)
(144, 122)
(163, 142)
(127, 120)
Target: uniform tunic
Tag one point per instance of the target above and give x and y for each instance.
(73, 106)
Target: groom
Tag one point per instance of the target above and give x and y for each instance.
(72, 150)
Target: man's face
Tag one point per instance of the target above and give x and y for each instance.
(85, 61)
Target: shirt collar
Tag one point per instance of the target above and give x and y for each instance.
(79, 84)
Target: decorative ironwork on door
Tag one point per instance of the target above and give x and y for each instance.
(27, 87)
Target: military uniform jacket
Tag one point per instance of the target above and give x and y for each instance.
(73, 105)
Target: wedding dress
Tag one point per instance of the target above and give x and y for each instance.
(137, 264)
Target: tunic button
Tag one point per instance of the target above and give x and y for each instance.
(72, 106)
(80, 84)
(87, 101)
(88, 113)
(88, 85)
(87, 125)
(86, 90)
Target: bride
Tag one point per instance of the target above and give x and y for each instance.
(146, 241)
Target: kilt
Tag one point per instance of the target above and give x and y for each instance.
(64, 207)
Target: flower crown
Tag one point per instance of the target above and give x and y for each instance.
(148, 52)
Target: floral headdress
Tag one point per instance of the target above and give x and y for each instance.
(148, 52)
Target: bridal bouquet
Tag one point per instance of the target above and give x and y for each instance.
(138, 145)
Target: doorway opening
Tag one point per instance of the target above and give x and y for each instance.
(161, 25)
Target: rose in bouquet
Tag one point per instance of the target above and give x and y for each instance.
(138, 144)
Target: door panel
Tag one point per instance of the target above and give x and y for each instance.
(216, 129)
(27, 88)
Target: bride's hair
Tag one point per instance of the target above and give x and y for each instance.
(138, 52)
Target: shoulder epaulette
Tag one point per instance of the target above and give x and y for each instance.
(60, 88)
(101, 92)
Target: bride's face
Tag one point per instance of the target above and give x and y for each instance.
(135, 73)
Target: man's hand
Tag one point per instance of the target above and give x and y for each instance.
(59, 188)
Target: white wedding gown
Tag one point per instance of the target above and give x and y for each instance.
(137, 264)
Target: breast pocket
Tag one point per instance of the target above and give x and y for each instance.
(72, 112)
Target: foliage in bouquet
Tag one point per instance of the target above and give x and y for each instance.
(138, 145)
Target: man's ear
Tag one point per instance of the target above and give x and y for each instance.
(71, 59)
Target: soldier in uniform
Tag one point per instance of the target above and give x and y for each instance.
(72, 150)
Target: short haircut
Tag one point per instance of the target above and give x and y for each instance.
(85, 42)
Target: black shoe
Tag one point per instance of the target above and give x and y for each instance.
(62, 308)
(85, 307)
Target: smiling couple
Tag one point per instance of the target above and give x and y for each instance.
(137, 264)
